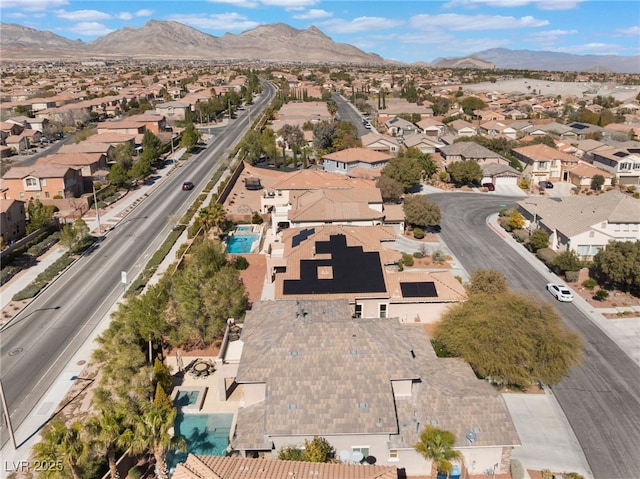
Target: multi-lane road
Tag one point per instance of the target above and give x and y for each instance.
(37, 344)
(601, 397)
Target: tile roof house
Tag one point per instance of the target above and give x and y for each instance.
(359, 264)
(463, 128)
(585, 224)
(431, 126)
(545, 163)
(582, 174)
(43, 182)
(344, 161)
(236, 467)
(381, 143)
(397, 126)
(423, 142)
(310, 197)
(12, 220)
(366, 385)
(470, 151)
(622, 162)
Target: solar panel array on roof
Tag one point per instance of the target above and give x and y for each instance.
(419, 289)
(578, 126)
(300, 237)
(354, 270)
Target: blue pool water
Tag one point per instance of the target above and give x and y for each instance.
(238, 244)
(186, 398)
(244, 228)
(206, 434)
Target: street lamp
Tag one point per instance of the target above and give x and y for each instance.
(7, 417)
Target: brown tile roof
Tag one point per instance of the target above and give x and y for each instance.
(39, 171)
(216, 467)
(111, 137)
(335, 205)
(70, 159)
(585, 170)
(543, 152)
(359, 155)
(315, 179)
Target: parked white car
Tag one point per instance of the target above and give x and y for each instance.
(560, 292)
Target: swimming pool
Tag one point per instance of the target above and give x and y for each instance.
(241, 243)
(244, 228)
(205, 434)
(186, 398)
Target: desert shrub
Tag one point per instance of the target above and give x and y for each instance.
(589, 283)
(517, 470)
(407, 259)
(571, 276)
(418, 255)
(241, 263)
(418, 233)
(193, 230)
(439, 256)
(520, 236)
(546, 474)
(547, 256)
(256, 219)
(601, 295)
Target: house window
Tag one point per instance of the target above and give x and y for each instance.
(542, 165)
(393, 455)
(553, 163)
(358, 312)
(31, 182)
(592, 234)
(43, 181)
(363, 449)
(60, 194)
(382, 310)
(22, 195)
(46, 194)
(37, 195)
(583, 250)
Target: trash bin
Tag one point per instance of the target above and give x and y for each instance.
(455, 472)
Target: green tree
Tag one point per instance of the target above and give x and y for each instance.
(62, 442)
(419, 211)
(107, 430)
(323, 135)
(251, 147)
(39, 215)
(346, 136)
(539, 239)
(212, 216)
(404, 170)
(190, 137)
(141, 168)
(509, 339)
(514, 221)
(618, 265)
(567, 261)
(471, 103)
(463, 172)
(317, 449)
(597, 182)
(425, 160)
(390, 189)
(437, 445)
(486, 282)
(118, 176)
(151, 144)
(150, 431)
(332, 108)
(123, 155)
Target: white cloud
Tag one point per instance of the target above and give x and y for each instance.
(224, 21)
(541, 4)
(90, 29)
(33, 5)
(145, 12)
(447, 45)
(454, 21)
(551, 35)
(360, 24)
(312, 14)
(629, 32)
(593, 49)
(124, 16)
(83, 15)
(238, 3)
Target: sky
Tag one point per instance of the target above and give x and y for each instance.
(407, 31)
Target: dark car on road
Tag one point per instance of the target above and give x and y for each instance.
(545, 185)
(187, 185)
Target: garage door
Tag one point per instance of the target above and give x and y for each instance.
(505, 180)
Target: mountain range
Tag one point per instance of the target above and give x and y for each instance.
(275, 42)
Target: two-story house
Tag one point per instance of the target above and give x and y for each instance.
(585, 224)
(43, 182)
(12, 220)
(622, 162)
(367, 386)
(545, 163)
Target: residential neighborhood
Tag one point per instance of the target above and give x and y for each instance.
(308, 276)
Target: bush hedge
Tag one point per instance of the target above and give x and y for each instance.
(418, 233)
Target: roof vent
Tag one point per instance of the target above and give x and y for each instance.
(363, 405)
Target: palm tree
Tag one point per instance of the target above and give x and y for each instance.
(107, 430)
(332, 107)
(437, 445)
(151, 430)
(212, 216)
(63, 443)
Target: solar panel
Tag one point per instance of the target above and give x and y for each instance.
(424, 289)
(353, 270)
(300, 237)
(578, 126)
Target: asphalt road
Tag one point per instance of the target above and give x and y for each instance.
(41, 339)
(347, 112)
(601, 397)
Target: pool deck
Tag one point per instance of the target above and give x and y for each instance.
(212, 403)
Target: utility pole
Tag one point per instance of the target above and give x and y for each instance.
(7, 417)
(95, 202)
